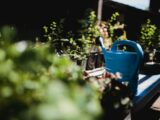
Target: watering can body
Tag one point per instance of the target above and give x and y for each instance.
(125, 62)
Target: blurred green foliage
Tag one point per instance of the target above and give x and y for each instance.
(36, 84)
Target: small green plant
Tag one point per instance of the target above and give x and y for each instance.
(148, 37)
(111, 22)
(150, 40)
(76, 46)
(54, 34)
(115, 28)
(88, 32)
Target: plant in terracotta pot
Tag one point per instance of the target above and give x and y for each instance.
(150, 40)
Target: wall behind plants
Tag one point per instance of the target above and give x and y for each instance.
(30, 16)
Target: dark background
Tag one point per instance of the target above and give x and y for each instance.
(30, 16)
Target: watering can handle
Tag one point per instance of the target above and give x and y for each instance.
(136, 46)
(138, 50)
(133, 44)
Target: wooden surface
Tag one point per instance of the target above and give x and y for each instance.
(148, 88)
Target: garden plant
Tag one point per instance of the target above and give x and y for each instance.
(150, 41)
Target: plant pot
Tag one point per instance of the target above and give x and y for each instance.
(146, 57)
(94, 60)
(157, 57)
(150, 68)
(151, 63)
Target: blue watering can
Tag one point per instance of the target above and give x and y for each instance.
(125, 62)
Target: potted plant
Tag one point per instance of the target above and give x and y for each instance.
(150, 40)
(77, 44)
